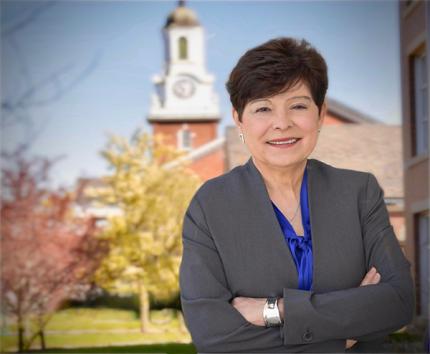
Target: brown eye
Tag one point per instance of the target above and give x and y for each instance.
(300, 107)
(262, 109)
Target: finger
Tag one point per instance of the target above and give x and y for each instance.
(375, 279)
(372, 280)
(350, 343)
(368, 277)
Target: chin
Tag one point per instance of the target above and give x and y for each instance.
(281, 162)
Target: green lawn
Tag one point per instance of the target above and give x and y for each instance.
(93, 319)
(107, 328)
(169, 348)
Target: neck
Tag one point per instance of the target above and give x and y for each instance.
(282, 180)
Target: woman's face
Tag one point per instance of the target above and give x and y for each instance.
(281, 130)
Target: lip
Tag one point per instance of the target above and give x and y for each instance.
(283, 139)
(283, 146)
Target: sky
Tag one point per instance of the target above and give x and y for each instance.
(74, 72)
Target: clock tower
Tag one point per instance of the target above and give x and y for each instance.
(184, 107)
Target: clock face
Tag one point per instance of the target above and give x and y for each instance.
(184, 88)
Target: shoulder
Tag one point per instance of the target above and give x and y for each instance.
(342, 182)
(338, 176)
(219, 196)
(226, 184)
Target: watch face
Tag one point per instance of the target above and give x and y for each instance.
(184, 88)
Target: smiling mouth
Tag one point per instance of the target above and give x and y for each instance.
(287, 142)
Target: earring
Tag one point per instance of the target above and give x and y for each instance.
(319, 130)
(241, 137)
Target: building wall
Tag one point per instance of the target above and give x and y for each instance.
(414, 28)
(202, 132)
(208, 166)
(211, 165)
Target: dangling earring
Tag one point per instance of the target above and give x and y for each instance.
(242, 138)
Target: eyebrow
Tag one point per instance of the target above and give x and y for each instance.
(289, 99)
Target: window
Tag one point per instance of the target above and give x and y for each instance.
(420, 104)
(422, 267)
(184, 139)
(183, 48)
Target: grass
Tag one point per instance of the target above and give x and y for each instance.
(84, 328)
(169, 348)
(93, 319)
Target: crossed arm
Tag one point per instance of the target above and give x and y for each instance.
(252, 308)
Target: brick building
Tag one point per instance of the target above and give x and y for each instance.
(415, 52)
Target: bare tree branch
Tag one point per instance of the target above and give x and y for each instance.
(28, 19)
(16, 111)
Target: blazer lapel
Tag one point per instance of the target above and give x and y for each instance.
(318, 201)
(322, 220)
(270, 223)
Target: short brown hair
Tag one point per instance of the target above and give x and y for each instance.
(274, 67)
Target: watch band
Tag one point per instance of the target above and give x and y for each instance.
(271, 314)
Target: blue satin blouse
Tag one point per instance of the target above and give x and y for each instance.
(300, 246)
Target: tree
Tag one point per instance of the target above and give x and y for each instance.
(152, 192)
(46, 251)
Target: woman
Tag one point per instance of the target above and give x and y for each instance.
(286, 253)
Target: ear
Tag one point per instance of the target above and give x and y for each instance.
(322, 114)
(236, 118)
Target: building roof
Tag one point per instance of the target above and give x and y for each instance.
(182, 16)
(347, 113)
(375, 148)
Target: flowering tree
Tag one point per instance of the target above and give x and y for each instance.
(46, 251)
(152, 190)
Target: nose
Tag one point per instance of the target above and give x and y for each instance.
(282, 120)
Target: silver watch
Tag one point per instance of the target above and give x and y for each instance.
(271, 314)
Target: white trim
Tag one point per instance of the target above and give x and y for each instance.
(197, 153)
(419, 206)
(411, 162)
(389, 201)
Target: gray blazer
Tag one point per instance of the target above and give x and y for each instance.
(233, 246)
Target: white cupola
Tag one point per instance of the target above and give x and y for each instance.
(184, 89)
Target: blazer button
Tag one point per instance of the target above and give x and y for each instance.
(308, 336)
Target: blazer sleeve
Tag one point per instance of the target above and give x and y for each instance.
(361, 313)
(215, 325)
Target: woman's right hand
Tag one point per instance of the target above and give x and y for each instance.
(372, 277)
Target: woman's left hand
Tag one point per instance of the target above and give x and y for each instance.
(250, 308)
